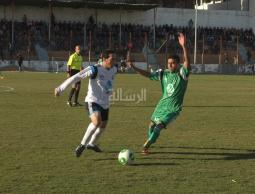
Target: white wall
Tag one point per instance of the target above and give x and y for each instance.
(214, 18)
(237, 19)
(252, 8)
(42, 13)
(231, 5)
(177, 17)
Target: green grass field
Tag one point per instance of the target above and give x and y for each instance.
(210, 148)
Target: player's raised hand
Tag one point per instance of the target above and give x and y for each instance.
(56, 92)
(182, 39)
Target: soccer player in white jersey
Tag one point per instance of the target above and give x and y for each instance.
(97, 99)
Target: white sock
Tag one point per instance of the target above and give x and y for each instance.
(96, 136)
(87, 136)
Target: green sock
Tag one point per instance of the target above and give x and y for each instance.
(150, 130)
(153, 137)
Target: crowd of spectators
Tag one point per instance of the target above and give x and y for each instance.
(64, 35)
(227, 39)
(25, 34)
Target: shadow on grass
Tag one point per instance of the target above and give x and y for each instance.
(113, 152)
(220, 155)
(187, 106)
(155, 164)
(141, 164)
(217, 154)
(204, 148)
(105, 159)
(216, 106)
(164, 157)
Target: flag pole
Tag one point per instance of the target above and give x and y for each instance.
(195, 45)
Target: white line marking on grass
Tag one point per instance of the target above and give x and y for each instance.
(6, 89)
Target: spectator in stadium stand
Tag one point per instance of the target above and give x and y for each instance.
(248, 56)
(130, 45)
(225, 58)
(52, 17)
(235, 60)
(10, 48)
(100, 60)
(150, 68)
(24, 19)
(60, 37)
(1, 50)
(20, 61)
(190, 23)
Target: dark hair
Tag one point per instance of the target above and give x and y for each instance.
(106, 53)
(176, 58)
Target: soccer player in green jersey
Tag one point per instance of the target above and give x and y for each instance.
(174, 81)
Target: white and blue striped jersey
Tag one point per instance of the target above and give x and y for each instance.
(101, 85)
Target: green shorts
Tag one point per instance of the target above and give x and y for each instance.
(163, 117)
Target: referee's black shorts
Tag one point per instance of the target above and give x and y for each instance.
(73, 72)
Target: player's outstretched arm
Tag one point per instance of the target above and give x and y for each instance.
(87, 72)
(141, 71)
(182, 42)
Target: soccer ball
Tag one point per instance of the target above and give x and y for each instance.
(126, 157)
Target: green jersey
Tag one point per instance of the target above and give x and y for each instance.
(173, 85)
